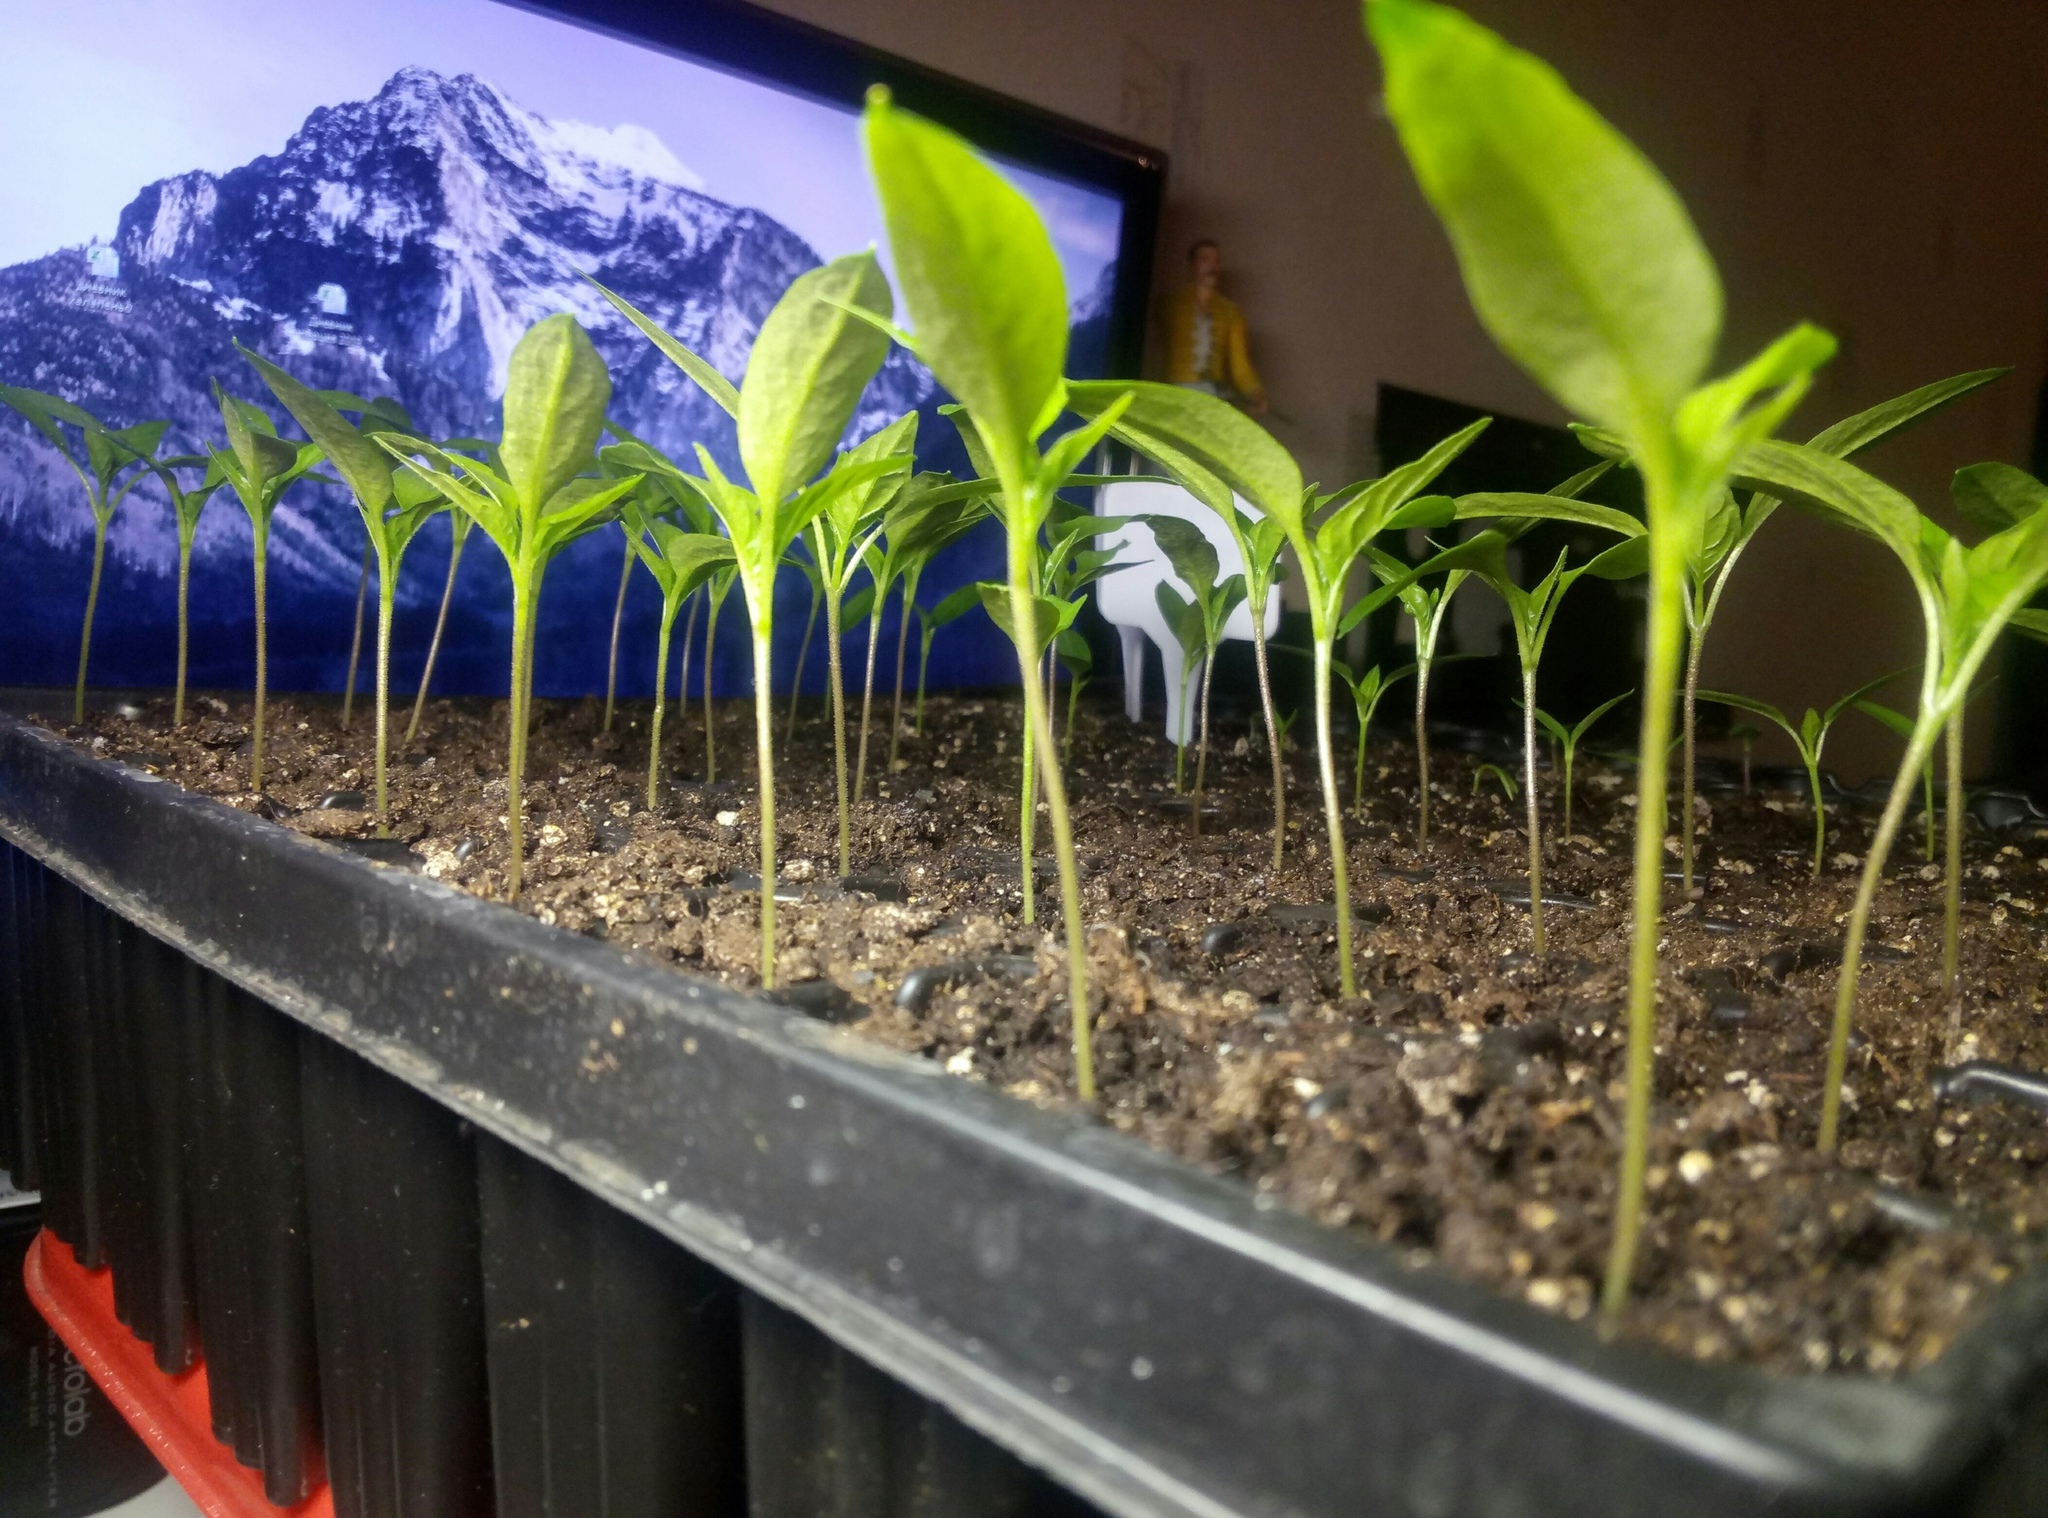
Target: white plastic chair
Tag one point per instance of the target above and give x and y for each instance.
(1129, 603)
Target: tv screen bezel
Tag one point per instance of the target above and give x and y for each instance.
(784, 53)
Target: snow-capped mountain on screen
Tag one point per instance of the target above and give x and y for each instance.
(400, 246)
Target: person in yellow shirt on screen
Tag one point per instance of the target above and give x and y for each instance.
(1205, 337)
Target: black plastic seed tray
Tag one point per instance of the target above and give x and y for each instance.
(879, 1265)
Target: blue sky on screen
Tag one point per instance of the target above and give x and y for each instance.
(101, 97)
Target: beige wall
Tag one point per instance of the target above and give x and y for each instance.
(1878, 166)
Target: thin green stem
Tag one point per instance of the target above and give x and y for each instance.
(689, 638)
(355, 645)
(1358, 770)
(925, 634)
(1272, 736)
(1534, 812)
(1653, 744)
(803, 649)
(184, 622)
(1202, 744)
(262, 659)
(1073, 703)
(1038, 725)
(669, 608)
(611, 674)
(387, 596)
(1422, 750)
(1952, 895)
(1027, 815)
(710, 648)
(1917, 750)
(1180, 738)
(1685, 801)
(1927, 810)
(1333, 812)
(764, 740)
(522, 625)
(419, 702)
(909, 599)
(92, 606)
(867, 698)
(1569, 751)
(1820, 811)
(838, 694)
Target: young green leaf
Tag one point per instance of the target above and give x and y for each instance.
(810, 363)
(1580, 260)
(557, 391)
(979, 275)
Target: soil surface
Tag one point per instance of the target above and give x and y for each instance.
(1464, 1108)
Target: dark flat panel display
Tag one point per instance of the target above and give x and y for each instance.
(383, 203)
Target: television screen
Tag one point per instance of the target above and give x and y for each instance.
(382, 198)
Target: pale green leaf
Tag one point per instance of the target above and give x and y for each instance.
(556, 394)
(1996, 496)
(1210, 433)
(361, 463)
(1579, 258)
(709, 380)
(809, 365)
(979, 275)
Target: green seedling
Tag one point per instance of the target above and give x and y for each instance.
(811, 360)
(1506, 782)
(1286, 724)
(1730, 526)
(1367, 688)
(1967, 597)
(986, 294)
(392, 513)
(1062, 569)
(1214, 449)
(535, 502)
(1425, 605)
(1059, 567)
(102, 456)
(384, 415)
(682, 562)
(460, 523)
(841, 537)
(1050, 618)
(1531, 613)
(1567, 740)
(1809, 736)
(923, 518)
(1184, 622)
(950, 609)
(674, 532)
(186, 508)
(1197, 623)
(259, 467)
(1258, 539)
(1584, 266)
(611, 668)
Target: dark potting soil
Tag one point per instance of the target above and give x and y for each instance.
(1464, 1108)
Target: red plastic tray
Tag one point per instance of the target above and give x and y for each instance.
(171, 1413)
